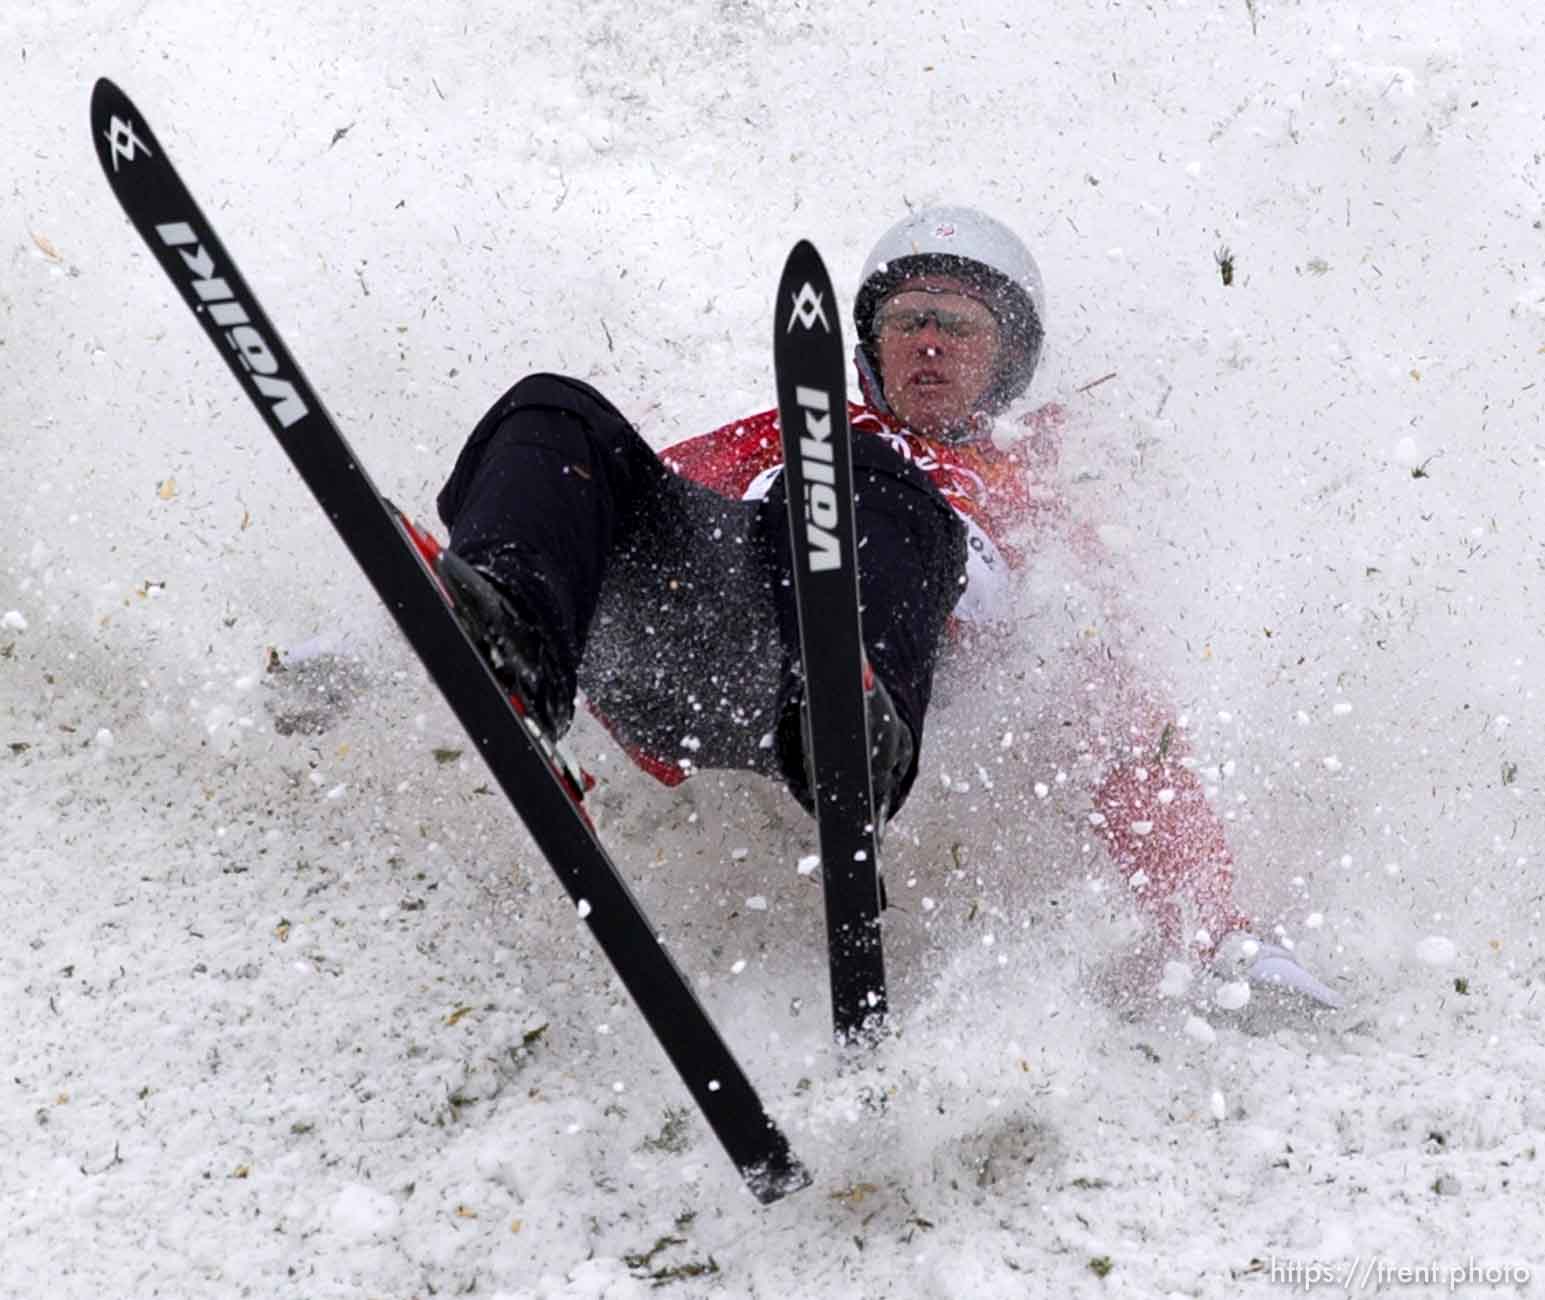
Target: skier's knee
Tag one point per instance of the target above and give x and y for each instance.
(530, 406)
(562, 393)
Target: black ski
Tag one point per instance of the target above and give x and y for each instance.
(189, 251)
(818, 467)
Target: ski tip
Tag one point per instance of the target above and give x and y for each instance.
(119, 130)
(115, 128)
(802, 258)
(105, 98)
(805, 271)
(805, 297)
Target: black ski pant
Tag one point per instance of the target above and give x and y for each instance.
(672, 606)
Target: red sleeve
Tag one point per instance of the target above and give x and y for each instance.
(1167, 842)
(729, 458)
(1151, 810)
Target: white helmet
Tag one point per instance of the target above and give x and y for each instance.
(989, 258)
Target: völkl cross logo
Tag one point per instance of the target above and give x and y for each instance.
(121, 138)
(807, 310)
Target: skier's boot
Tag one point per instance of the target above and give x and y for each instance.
(1269, 966)
(510, 636)
(891, 746)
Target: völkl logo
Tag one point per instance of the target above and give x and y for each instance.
(808, 309)
(123, 142)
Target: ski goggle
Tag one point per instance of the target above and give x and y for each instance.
(957, 316)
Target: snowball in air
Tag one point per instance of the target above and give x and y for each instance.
(1177, 979)
(1436, 950)
(1200, 1030)
(1233, 995)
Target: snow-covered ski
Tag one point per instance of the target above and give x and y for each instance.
(164, 213)
(818, 465)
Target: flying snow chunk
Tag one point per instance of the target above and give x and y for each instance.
(360, 1213)
(1436, 950)
(809, 865)
(14, 620)
(1232, 996)
(1200, 1030)
(1407, 453)
(1177, 979)
(757, 903)
(583, 908)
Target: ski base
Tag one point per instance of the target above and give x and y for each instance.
(818, 479)
(193, 257)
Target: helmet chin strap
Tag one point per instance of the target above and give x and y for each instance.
(869, 380)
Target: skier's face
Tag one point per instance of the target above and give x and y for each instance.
(938, 352)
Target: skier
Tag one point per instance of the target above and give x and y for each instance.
(661, 585)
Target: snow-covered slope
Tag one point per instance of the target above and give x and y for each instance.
(293, 1008)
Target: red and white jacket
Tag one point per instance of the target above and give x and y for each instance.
(1148, 805)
